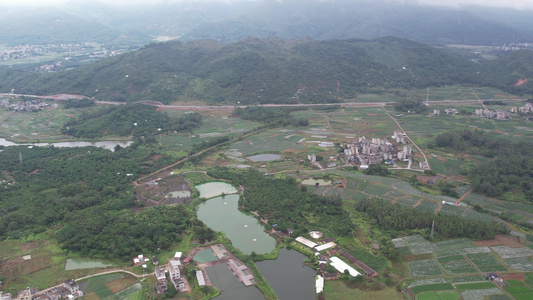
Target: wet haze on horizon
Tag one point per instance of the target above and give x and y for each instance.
(517, 4)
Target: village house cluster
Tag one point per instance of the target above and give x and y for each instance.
(70, 290)
(376, 150)
(448, 111)
(28, 105)
(174, 270)
(526, 109)
(497, 114)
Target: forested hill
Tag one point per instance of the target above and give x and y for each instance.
(270, 71)
(253, 70)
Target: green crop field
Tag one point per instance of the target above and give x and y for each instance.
(408, 200)
(529, 279)
(95, 283)
(490, 269)
(431, 287)
(454, 244)
(452, 210)
(103, 292)
(523, 296)
(474, 285)
(447, 295)
(427, 296)
(448, 259)
(468, 278)
(514, 282)
(518, 289)
(427, 205)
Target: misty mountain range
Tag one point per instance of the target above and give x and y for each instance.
(226, 22)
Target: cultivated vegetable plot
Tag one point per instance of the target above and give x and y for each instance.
(424, 267)
(480, 294)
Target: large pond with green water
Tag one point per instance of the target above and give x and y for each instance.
(288, 276)
(213, 189)
(244, 231)
(232, 289)
(205, 255)
(85, 263)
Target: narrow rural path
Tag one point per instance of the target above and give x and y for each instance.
(479, 99)
(329, 124)
(462, 197)
(407, 136)
(396, 198)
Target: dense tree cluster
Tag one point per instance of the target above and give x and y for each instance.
(133, 119)
(287, 206)
(395, 217)
(105, 231)
(377, 169)
(509, 170)
(406, 105)
(280, 116)
(86, 192)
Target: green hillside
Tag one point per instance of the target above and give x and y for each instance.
(254, 70)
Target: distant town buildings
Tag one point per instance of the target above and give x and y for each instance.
(489, 114)
(526, 109)
(28, 105)
(376, 150)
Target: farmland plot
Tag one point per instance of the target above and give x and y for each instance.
(424, 267)
(521, 264)
(507, 252)
(480, 294)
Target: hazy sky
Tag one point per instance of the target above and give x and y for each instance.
(520, 4)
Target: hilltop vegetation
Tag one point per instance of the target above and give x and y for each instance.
(271, 71)
(253, 71)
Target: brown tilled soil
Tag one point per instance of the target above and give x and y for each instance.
(500, 239)
(516, 276)
(508, 241)
(92, 296)
(493, 242)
